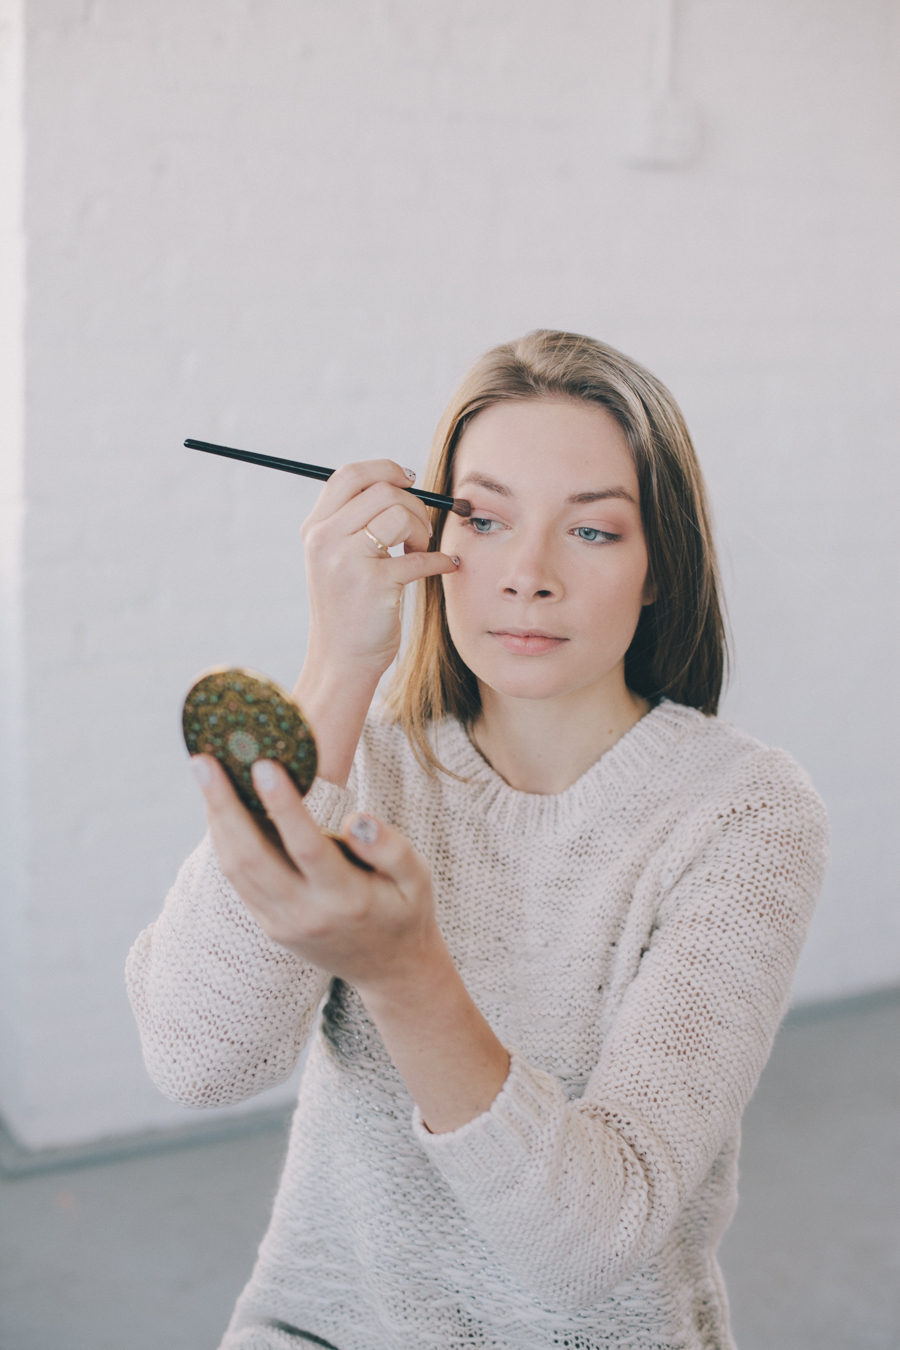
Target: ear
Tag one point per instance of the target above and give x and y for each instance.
(649, 592)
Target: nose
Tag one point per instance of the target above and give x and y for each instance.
(530, 573)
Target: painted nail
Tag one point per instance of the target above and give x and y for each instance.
(454, 559)
(201, 771)
(411, 474)
(430, 529)
(365, 829)
(264, 775)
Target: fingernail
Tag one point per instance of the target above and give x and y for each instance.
(201, 771)
(411, 474)
(430, 529)
(454, 559)
(264, 775)
(365, 829)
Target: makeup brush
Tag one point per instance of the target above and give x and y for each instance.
(456, 504)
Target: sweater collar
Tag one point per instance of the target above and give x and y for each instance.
(628, 765)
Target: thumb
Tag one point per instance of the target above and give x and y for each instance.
(385, 849)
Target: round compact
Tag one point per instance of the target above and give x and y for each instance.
(240, 716)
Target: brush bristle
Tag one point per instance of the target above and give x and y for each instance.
(461, 507)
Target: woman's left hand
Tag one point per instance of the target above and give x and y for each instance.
(373, 929)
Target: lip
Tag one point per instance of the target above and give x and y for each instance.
(527, 641)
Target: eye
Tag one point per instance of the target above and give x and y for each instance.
(482, 524)
(591, 535)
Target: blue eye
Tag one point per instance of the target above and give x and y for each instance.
(591, 535)
(481, 524)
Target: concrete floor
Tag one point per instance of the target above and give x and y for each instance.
(149, 1252)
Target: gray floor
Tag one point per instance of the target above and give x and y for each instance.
(148, 1253)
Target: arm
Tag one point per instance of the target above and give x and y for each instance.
(576, 1196)
(223, 1011)
(374, 929)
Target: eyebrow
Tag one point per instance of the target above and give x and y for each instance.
(602, 494)
(578, 498)
(490, 484)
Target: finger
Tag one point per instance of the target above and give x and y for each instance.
(414, 566)
(387, 850)
(314, 855)
(396, 525)
(251, 862)
(321, 537)
(363, 508)
(350, 480)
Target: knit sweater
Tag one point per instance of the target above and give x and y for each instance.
(631, 940)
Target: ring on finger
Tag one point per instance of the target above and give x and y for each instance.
(382, 548)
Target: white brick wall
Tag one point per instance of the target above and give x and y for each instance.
(290, 226)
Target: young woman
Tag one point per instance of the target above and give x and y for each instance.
(547, 1006)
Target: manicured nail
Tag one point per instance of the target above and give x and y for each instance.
(264, 775)
(201, 770)
(411, 474)
(454, 559)
(365, 829)
(430, 529)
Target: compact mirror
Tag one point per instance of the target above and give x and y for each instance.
(240, 716)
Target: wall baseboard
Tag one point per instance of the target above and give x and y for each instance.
(18, 1161)
(848, 1006)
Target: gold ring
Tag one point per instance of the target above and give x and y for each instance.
(382, 548)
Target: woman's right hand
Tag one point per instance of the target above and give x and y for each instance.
(354, 598)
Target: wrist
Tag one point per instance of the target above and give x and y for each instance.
(447, 1054)
(335, 704)
(324, 683)
(427, 978)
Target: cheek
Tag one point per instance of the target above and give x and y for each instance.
(463, 597)
(475, 578)
(620, 594)
(454, 535)
(470, 601)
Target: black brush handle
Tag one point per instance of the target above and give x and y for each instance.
(268, 461)
(314, 471)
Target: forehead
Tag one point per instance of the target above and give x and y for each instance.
(562, 441)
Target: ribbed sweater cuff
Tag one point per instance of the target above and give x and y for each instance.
(498, 1140)
(328, 804)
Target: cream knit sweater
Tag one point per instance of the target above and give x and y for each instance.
(631, 939)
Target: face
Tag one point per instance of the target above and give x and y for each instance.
(553, 562)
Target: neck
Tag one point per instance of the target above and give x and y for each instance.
(545, 745)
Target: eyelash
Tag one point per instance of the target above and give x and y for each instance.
(605, 536)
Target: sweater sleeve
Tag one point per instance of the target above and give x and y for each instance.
(223, 1011)
(576, 1196)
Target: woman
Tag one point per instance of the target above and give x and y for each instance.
(547, 1006)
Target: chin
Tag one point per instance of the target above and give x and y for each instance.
(529, 683)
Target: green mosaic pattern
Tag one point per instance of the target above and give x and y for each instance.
(240, 716)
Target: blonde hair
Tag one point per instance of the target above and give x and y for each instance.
(679, 647)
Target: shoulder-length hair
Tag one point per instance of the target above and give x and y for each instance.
(679, 647)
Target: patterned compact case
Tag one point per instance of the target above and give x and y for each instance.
(240, 716)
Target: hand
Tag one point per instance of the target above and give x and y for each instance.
(374, 929)
(354, 599)
(354, 587)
